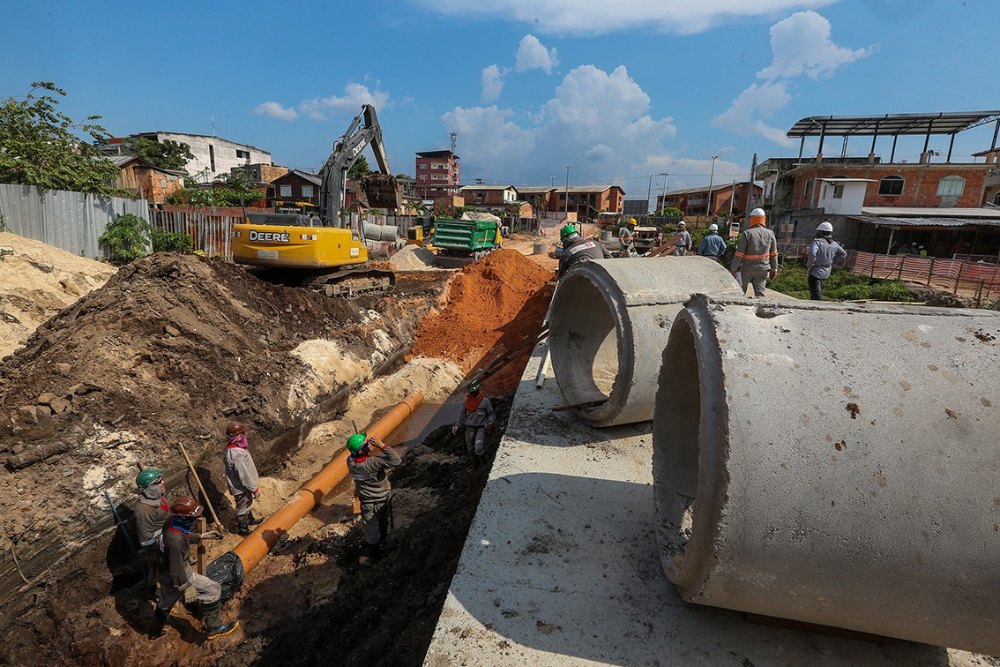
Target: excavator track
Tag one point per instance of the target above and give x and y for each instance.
(349, 284)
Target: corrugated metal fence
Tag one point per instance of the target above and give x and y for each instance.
(970, 278)
(72, 221)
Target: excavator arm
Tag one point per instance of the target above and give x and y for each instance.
(346, 151)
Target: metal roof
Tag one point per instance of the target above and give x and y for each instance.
(915, 212)
(487, 187)
(533, 189)
(927, 221)
(892, 124)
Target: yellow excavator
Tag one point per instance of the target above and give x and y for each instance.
(324, 251)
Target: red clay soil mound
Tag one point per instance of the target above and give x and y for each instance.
(495, 304)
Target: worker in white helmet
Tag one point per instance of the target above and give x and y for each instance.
(756, 258)
(824, 252)
(712, 245)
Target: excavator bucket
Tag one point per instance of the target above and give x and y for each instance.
(383, 191)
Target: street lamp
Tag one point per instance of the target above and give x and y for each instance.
(567, 189)
(663, 197)
(711, 179)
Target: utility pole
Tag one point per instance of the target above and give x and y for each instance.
(732, 196)
(567, 189)
(649, 193)
(753, 170)
(711, 179)
(553, 180)
(663, 197)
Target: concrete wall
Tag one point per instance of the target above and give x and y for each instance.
(849, 203)
(204, 148)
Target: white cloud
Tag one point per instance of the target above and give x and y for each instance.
(532, 54)
(595, 17)
(596, 121)
(349, 103)
(275, 110)
(801, 45)
(492, 81)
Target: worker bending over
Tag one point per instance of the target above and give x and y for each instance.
(756, 257)
(477, 417)
(369, 462)
(577, 249)
(175, 573)
(241, 476)
(150, 513)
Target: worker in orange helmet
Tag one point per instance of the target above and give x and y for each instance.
(756, 257)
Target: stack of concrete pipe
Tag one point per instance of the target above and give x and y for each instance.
(829, 464)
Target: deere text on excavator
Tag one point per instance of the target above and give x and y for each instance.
(324, 251)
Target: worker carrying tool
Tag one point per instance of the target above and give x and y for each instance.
(369, 463)
(175, 573)
(756, 257)
(477, 417)
(241, 476)
(150, 513)
(577, 249)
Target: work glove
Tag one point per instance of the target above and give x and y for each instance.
(211, 535)
(489, 427)
(454, 429)
(256, 492)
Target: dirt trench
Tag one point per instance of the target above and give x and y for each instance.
(168, 351)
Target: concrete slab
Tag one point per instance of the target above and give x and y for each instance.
(560, 566)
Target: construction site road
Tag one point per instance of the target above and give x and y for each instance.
(560, 566)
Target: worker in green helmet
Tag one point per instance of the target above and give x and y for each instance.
(150, 513)
(369, 463)
(577, 249)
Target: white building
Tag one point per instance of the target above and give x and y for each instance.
(842, 196)
(212, 156)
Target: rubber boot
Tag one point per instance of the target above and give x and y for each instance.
(212, 623)
(372, 556)
(253, 520)
(477, 461)
(243, 524)
(159, 620)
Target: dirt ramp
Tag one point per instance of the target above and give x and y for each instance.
(495, 303)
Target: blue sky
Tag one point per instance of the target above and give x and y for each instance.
(619, 90)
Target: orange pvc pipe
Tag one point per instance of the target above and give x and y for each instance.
(260, 542)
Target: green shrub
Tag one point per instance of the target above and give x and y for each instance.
(892, 290)
(164, 241)
(126, 238)
(842, 285)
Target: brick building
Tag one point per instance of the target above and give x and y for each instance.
(145, 180)
(438, 174)
(725, 198)
(294, 188)
(489, 195)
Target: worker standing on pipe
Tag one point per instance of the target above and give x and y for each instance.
(824, 252)
(576, 249)
(477, 417)
(175, 573)
(369, 463)
(150, 513)
(756, 257)
(241, 476)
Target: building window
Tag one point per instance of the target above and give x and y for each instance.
(809, 187)
(838, 191)
(891, 185)
(951, 186)
(307, 191)
(996, 199)
(286, 190)
(242, 154)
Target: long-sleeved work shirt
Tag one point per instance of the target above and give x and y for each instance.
(579, 250)
(369, 474)
(477, 414)
(241, 473)
(823, 254)
(757, 249)
(712, 245)
(175, 552)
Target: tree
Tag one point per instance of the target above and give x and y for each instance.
(169, 154)
(359, 169)
(39, 145)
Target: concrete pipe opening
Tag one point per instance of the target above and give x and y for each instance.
(609, 322)
(833, 465)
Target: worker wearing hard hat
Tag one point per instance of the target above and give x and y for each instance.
(577, 249)
(712, 245)
(824, 252)
(756, 257)
(368, 464)
(625, 238)
(477, 418)
(681, 240)
(150, 513)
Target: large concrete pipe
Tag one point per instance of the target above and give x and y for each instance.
(260, 542)
(834, 465)
(610, 321)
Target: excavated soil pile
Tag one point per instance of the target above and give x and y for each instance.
(37, 281)
(169, 350)
(495, 303)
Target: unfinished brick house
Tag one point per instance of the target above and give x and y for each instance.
(144, 180)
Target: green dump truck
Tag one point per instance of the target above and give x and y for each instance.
(461, 241)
